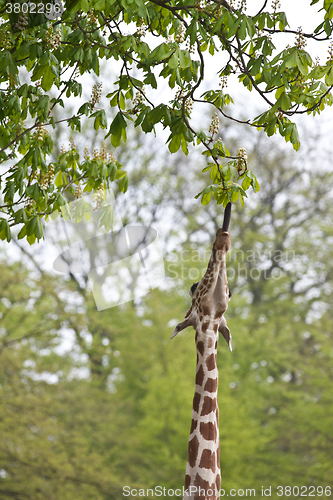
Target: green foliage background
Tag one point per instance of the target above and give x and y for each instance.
(93, 401)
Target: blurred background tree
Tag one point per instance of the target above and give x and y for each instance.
(93, 401)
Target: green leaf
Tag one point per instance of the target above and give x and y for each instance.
(235, 195)
(118, 129)
(22, 233)
(99, 4)
(246, 183)
(61, 200)
(284, 101)
(184, 59)
(174, 144)
(329, 77)
(39, 229)
(123, 184)
(31, 226)
(31, 239)
(47, 79)
(300, 64)
(173, 61)
(118, 124)
(150, 80)
(84, 5)
(107, 219)
(206, 197)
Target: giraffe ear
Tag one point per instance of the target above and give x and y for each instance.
(181, 326)
(225, 332)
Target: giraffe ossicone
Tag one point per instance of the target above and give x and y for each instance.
(209, 303)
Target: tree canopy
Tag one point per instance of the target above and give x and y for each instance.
(43, 62)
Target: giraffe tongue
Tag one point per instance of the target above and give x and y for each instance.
(226, 219)
(174, 333)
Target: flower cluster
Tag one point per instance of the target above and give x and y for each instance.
(214, 125)
(276, 5)
(99, 194)
(72, 143)
(78, 191)
(98, 154)
(53, 38)
(142, 28)
(96, 94)
(300, 40)
(223, 82)
(330, 52)
(200, 5)
(86, 154)
(33, 175)
(180, 36)
(188, 105)
(103, 154)
(242, 161)
(40, 133)
(139, 98)
(5, 39)
(242, 5)
(22, 22)
(190, 47)
(47, 178)
(92, 18)
(29, 203)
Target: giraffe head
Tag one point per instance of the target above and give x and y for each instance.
(210, 295)
(195, 285)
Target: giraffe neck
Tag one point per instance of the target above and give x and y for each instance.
(203, 478)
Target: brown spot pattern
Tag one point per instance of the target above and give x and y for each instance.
(208, 406)
(205, 326)
(208, 431)
(218, 457)
(193, 447)
(210, 362)
(216, 345)
(201, 483)
(211, 385)
(207, 460)
(199, 376)
(200, 347)
(206, 310)
(187, 481)
(218, 482)
(210, 342)
(196, 402)
(193, 425)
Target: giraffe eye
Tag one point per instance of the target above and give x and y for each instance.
(230, 295)
(193, 288)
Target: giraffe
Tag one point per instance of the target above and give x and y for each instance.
(210, 298)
